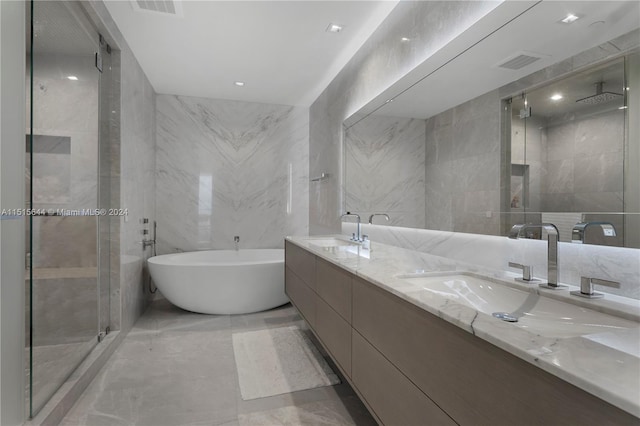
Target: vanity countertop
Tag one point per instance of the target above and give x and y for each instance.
(605, 364)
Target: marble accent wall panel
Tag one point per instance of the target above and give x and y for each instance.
(227, 168)
(490, 254)
(379, 63)
(463, 167)
(385, 169)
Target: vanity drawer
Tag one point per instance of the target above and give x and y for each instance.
(473, 381)
(335, 334)
(301, 262)
(334, 286)
(301, 295)
(395, 400)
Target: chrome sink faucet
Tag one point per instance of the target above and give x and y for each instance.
(520, 231)
(355, 237)
(579, 229)
(378, 214)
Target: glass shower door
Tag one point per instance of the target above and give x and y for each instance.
(62, 174)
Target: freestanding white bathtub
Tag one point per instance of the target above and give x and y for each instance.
(221, 281)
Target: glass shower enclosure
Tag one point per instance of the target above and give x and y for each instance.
(67, 288)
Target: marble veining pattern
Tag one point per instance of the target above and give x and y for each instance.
(493, 253)
(227, 168)
(385, 169)
(378, 64)
(579, 360)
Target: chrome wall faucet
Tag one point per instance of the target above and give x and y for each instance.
(386, 216)
(355, 237)
(520, 231)
(579, 229)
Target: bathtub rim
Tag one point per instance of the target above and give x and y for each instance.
(167, 259)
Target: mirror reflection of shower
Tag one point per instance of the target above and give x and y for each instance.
(567, 152)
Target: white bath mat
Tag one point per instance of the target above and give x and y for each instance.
(279, 360)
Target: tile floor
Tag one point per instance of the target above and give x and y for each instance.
(178, 368)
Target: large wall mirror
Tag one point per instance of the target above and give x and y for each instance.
(527, 122)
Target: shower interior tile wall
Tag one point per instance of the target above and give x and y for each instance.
(227, 168)
(69, 110)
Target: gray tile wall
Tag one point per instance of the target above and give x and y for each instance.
(463, 167)
(137, 184)
(132, 174)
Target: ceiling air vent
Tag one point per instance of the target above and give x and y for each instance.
(166, 7)
(520, 60)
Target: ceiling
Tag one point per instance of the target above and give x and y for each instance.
(279, 49)
(573, 88)
(463, 71)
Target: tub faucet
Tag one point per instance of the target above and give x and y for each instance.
(378, 214)
(236, 240)
(356, 236)
(579, 229)
(520, 231)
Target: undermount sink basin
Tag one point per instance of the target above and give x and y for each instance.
(538, 314)
(330, 242)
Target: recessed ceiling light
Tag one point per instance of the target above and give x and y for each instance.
(556, 97)
(405, 39)
(239, 83)
(72, 77)
(334, 28)
(570, 18)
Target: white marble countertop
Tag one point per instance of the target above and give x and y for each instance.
(606, 365)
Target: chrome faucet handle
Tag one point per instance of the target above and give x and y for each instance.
(355, 238)
(527, 272)
(386, 216)
(586, 287)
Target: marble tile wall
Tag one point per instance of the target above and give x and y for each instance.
(132, 174)
(137, 184)
(385, 169)
(581, 172)
(379, 63)
(227, 168)
(489, 253)
(463, 167)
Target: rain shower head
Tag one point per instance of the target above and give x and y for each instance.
(600, 97)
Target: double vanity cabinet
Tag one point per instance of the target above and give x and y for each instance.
(411, 367)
